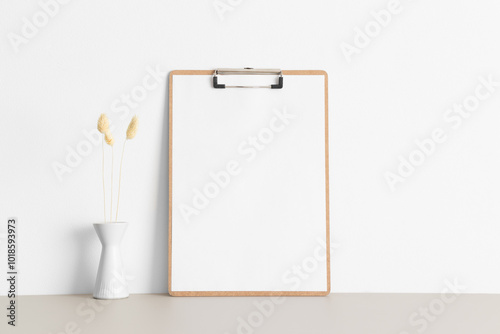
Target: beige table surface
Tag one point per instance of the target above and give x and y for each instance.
(336, 313)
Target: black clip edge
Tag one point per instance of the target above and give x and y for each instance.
(279, 85)
(216, 84)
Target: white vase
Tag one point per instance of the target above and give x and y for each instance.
(111, 282)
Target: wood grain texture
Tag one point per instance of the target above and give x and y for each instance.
(246, 293)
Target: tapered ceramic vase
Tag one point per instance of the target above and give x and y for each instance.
(111, 282)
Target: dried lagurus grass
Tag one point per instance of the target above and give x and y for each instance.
(103, 124)
(110, 140)
(132, 128)
(131, 132)
(103, 127)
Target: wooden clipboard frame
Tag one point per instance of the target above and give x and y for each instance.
(245, 293)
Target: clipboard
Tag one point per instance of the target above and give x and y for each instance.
(248, 183)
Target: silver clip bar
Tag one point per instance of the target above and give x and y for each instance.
(247, 71)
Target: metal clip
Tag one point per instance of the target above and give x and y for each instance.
(247, 71)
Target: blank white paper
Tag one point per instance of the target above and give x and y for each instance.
(248, 186)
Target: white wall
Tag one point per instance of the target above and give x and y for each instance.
(442, 223)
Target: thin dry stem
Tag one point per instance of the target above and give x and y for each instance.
(131, 132)
(120, 181)
(111, 206)
(103, 186)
